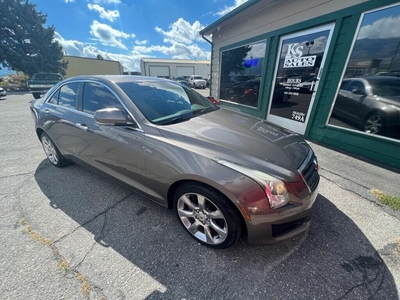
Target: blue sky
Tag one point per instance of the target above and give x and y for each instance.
(126, 30)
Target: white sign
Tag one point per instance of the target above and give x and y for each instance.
(294, 57)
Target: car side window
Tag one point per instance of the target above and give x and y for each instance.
(54, 98)
(345, 86)
(68, 95)
(356, 85)
(97, 96)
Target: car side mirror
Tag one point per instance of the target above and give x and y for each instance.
(110, 116)
(359, 92)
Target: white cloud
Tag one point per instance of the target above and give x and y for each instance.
(383, 28)
(69, 1)
(70, 47)
(130, 62)
(181, 41)
(176, 50)
(228, 9)
(110, 15)
(143, 42)
(182, 31)
(107, 1)
(108, 35)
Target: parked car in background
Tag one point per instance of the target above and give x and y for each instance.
(224, 173)
(40, 83)
(3, 92)
(308, 86)
(196, 81)
(245, 92)
(181, 80)
(370, 103)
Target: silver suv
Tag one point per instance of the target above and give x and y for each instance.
(196, 81)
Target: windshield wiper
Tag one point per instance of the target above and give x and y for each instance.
(205, 110)
(174, 120)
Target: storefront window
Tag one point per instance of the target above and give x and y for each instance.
(241, 70)
(369, 96)
(299, 66)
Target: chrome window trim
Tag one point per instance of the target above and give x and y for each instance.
(139, 128)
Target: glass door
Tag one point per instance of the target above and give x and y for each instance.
(298, 71)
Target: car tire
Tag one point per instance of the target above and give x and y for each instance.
(207, 215)
(374, 123)
(52, 152)
(36, 95)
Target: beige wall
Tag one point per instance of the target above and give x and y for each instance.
(89, 66)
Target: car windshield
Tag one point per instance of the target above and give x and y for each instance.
(198, 77)
(164, 102)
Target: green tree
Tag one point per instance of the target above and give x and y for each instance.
(232, 61)
(25, 44)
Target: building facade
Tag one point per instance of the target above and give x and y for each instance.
(91, 66)
(329, 70)
(172, 68)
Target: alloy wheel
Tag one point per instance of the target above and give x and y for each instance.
(202, 218)
(374, 124)
(50, 150)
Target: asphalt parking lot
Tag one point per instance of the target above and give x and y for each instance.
(72, 234)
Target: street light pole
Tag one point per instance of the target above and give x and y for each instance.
(309, 46)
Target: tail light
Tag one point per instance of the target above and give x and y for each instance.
(213, 100)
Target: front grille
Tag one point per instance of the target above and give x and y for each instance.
(309, 171)
(281, 229)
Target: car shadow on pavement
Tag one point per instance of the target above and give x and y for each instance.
(333, 260)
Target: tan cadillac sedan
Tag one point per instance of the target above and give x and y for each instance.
(224, 173)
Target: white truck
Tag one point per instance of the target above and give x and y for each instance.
(196, 81)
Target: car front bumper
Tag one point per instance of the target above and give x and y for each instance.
(281, 225)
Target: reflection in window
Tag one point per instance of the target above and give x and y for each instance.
(241, 70)
(54, 98)
(96, 96)
(68, 95)
(369, 97)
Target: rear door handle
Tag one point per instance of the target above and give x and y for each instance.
(82, 126)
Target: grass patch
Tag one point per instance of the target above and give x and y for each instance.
(391, 201)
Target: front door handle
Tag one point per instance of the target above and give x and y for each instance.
(82, 126)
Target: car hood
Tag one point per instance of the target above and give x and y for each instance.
(391, 100)
(240, 138)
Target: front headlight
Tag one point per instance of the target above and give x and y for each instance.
(274, 188)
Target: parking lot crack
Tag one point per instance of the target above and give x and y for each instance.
(345, 178)
(371, 273)
(63, 265)
(98, 240)
(94, 218)
(388, 210)
(16, 175)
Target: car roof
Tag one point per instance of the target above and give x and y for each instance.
(118, 78)
(374, 78)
